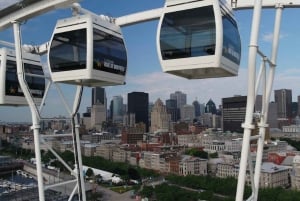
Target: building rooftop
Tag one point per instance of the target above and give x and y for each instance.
(269, 167)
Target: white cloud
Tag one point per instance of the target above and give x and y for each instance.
(268, 37)
(161, 85)
(288, 79)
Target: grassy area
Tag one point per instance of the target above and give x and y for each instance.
(121, 189)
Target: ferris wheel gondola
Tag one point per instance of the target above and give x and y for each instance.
(198, 39)
(10, 90)
(87, 50)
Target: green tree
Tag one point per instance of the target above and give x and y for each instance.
(94, 196)
(197, 153)
(147, 191)
(89, 172)
(98, 178)
(214, 155)
(293, 143)
(133, 174)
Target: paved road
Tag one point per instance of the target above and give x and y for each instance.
(113, 196)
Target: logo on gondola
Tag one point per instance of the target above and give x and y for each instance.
(231, 52)
(110, 64)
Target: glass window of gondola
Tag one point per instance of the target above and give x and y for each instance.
(109, 53)
(231, 40)
(188, 33)
(12, 87)
(68, 51)
(36, 84)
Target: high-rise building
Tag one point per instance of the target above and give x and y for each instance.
(272, 112)
(86, 118)
(298, 105)
(99, 107)
(294, 109)
(283, 98)
(98, 96)
(258, 103)
(234, 110)
(187, 113)
(129, 120)
(210, 107)
(197, 108)
(117, 107)
(138, 103)
(171, 105)
(179, 97)
(160, 119)
(150, 106)
(98, 116)
(272, 115)
(202, 108)
(111, 110)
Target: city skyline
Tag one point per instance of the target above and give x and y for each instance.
(144, 71)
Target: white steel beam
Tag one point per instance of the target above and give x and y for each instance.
(266, 97)
(60, 184)
(41, 7)
(248, 125)
(139, 17)
(249, 4)
(32, 106)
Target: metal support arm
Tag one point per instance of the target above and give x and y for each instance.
(38, 8)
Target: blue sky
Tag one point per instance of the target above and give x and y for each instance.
(144, 71)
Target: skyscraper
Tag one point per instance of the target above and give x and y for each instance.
(171, 105)
(138, 103)
(283, 98)
(210, 107)
(98, 116)
(187, 113)
(117, 108)
(197, 108)
(234, 110)
(179, 97)
(272, 115)
(160, 119)
(202, 108)
(98, 95)
(298, 105)
(99, 107)
(294, 109)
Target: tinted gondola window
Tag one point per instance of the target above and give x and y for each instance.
(231, 40)
(188, 33)
(109, 53)
(68, 51)
(36, 84)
